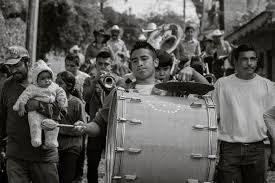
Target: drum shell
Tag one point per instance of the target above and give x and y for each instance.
(166, 139)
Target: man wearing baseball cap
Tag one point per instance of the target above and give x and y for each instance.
(25, 163)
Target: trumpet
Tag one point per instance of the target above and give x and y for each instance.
(108, 82)
(211, 78)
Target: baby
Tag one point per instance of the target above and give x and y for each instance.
(45, 90)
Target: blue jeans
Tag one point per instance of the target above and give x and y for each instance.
(241, 163)
(20, 171)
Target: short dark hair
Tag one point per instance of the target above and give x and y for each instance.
(73, 57)
(165, 59)
(144, 45)
(189, 27)
(69, 79)
(242, 48)
(103, 54)
(196, 59)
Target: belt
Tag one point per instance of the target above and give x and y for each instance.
(245, 143)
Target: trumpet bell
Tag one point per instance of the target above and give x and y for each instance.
(109, 82)
(166, 37)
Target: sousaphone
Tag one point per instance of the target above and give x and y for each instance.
(166, 37)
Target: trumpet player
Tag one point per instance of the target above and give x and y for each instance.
(93, 94)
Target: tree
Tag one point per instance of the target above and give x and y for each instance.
(64, 23)
(165, 18)
(130, 24)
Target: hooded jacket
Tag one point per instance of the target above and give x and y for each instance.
(51, 94)
(39, 67)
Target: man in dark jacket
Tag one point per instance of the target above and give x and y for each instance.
(25, 163)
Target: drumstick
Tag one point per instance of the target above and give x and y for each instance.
(66, 125)
(49, 124)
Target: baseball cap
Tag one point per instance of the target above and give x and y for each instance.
(15, 54)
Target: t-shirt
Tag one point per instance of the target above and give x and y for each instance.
(145, 89)
(189, 48)
(240, 105)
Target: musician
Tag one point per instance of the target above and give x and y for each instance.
(143, 60)
(93, 92)
(241, 99)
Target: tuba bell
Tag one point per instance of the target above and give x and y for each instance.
(166, 37)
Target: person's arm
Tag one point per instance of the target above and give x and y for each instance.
(188, 73)
(198, 49)
(27, 94)
(269, 118)
(79, 115)
(61, 98)
(3, 113)
(99, 123)
(125, 50)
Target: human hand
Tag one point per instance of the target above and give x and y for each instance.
(185, 74)
(21, 110)
(32, 105)
(79, 127)
(120, 54)
(51, 99)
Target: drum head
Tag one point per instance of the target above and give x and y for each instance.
(186, 87)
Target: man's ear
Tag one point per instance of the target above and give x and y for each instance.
(156, 62)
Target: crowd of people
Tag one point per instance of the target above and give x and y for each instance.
(80, 97)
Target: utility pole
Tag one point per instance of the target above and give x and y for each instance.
(101, 5)
(32, 27)
(184, 7)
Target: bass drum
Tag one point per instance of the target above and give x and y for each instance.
(160, 139)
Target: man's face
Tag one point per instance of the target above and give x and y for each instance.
(115, 34)
(217, 39)
(71, 66)
(99, 38)
(143, 64)
(163, 73)
(189, 33)
(246, 63)
(19, 71)
(103, 65)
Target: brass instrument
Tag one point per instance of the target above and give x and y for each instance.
(166, 37)
(108, 81)
(210, 77)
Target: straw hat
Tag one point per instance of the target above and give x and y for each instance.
(150, 27)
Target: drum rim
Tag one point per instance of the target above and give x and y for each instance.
(111, 140)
